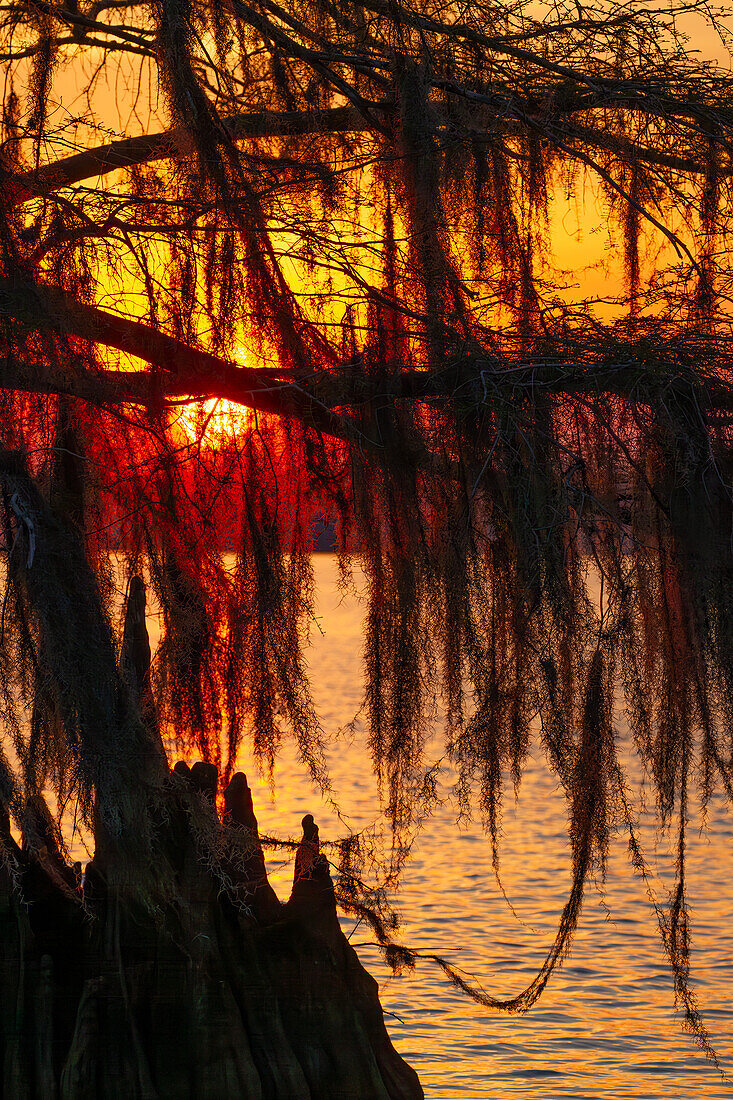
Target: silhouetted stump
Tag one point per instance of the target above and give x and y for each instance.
(210, 988)
(135, 654)
(312, 899)
(223, 993)
(251, 876)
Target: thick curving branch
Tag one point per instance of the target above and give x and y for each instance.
(180, 368)
(181, 371)
(171, 144)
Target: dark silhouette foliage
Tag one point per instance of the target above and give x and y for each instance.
(340, 217)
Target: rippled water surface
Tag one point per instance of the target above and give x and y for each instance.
(606, 1025)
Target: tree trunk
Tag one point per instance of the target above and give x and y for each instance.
(172, 971)
(222, 993)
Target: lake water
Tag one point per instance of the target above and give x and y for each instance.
(606, 1025)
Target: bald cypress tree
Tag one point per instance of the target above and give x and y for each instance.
(261, 262)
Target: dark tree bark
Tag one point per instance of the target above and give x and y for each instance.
(204, 987)
(221, 994)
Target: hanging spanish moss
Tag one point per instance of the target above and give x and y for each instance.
(308, 266)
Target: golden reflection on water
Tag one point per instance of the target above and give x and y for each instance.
(605, 1026)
